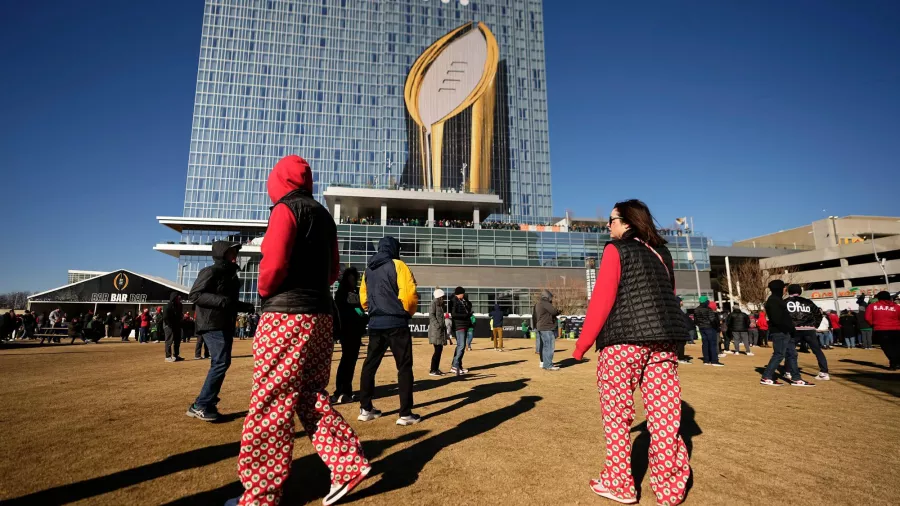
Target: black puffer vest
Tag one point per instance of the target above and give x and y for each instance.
(305, 289)
(646, 310)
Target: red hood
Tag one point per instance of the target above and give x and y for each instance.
(290, 173)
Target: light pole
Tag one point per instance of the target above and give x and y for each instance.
(696, 270)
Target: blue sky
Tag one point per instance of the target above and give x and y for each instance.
(749, 116)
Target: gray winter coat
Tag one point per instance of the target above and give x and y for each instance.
(436, 332)
(543, 317)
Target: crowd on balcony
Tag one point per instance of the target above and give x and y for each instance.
(595, 229)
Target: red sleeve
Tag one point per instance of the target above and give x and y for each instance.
(869, 313)
(336, 270)
(602, 300)
(276, 250)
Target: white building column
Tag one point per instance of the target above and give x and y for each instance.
(430, 222)
(337, 212)
(476, 218)
(383, 214)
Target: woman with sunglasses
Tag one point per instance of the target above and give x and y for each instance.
(635, 320)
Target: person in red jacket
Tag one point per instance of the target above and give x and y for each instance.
(835, 326)
(884, 316)
(763, 323)
(145, 326)
(293, 347)
(636, 322)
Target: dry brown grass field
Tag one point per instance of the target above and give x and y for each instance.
(105, 425)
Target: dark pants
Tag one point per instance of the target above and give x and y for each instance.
(144, 334)
(173, 338)
(764, 338)
(729, 336)
(200, 347)
(679, 347)
(784, 347)
(838, 335)
(399, 341)
(125, 332)
(219, 344)
(349, 355)
(436, 357)
(710, 346)
(890, 345)
(812, 340)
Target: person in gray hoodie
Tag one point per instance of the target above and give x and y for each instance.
(543, 319)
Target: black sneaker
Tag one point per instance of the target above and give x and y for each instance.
(207, 415)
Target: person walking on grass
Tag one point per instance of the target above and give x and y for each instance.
(784, 340)
(823, 332)
(754, 331)
(497, 327)
(172, 327)
(353, 325)
(543, 319)
(437, 336)
(865, 328)
(635, 320)
(806, 316)
(708, 322)
(126, 326)
(215, 295)
(739, 326)
(691, 331)
(388, 293)
(763, 323)
(293, 347)
(461, 316)
(884, 317)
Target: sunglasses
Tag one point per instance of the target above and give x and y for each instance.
(613, 218)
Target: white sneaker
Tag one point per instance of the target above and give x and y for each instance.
(409, 420)
(751, 354)
(823, 376)
(365, 416)
(721, 355)
(552, 368)
(717, 364)
(339, 491)
(787, 376)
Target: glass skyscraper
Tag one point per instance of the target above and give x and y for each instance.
(324, 79)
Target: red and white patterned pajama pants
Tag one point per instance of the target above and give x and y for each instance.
(620, 369)
(291, 368)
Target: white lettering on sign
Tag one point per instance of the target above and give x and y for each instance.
(418, 328)
(120, 297)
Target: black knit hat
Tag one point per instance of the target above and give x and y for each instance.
(459, 290)
(883, 295)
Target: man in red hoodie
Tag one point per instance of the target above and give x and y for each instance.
(293, 346)
(884, 316)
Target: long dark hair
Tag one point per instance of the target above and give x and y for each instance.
(345, 285)
(637, 216)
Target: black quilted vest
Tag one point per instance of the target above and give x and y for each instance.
(646, 310)
(305, 289)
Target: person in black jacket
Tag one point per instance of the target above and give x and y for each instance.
(739, 326)
(461, 316)
(691, 330)
(784, 340)
(353, 325)
(806, 317)
(708, 322)
(850, 328)
(215, 295)
(172, 327)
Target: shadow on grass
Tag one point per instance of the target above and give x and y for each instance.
(641, 446)
(885, 382)
(569, 362)
(865, 363)
(311, 478)
(401, 469)
(476, 394)
(230, 417)
(429, 384)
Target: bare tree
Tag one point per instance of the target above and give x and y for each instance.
(754, 281)
(14, 300)
(569, 295)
